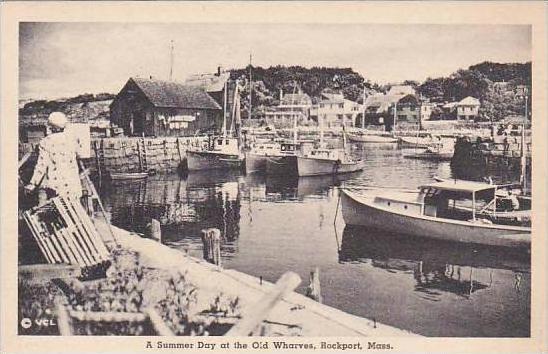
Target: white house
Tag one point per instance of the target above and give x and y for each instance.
(335, 110)
(468, 108)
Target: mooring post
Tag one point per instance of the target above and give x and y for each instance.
(314, 289)
(211, 240)
(154, 231)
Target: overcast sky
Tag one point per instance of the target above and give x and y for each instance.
(66, 59)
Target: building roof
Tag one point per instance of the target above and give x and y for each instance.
(208, 82)
(469, 101)
(460, 186)
(296, 99)
(383, 102)
(175, 95)
(332, 97)
(402, 90)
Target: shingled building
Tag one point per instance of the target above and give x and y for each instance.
(147, 107)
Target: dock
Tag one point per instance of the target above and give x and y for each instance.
(295, 314)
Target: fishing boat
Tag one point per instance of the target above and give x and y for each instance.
(326, 161)
(220, 152)
(284, 161)
(257, 156)
(447, 210)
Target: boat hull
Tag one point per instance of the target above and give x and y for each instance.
(431, 156)
(205, 160)
(362, 212)
(255, 163)
(372, 139)
(315, 167)
(414, 142)
(130, 176)
(281, 165)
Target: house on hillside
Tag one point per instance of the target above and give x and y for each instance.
(147, 107)
(401, 90)
(292, 106)
(335, 110)
(468, 108)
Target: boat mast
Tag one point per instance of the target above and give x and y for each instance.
(250, 86)
(363, 113)
(224, 108)
(294, 115)
(523, 150)
(171, 61)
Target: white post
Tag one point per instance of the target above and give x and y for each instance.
(474, 206)
(363, 113)
(224, 109)
(395, 116)
(523, 150)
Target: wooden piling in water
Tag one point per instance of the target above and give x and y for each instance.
(211, 240)
(314, 289)
(154, 231)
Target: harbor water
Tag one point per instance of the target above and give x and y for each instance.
(272, 225)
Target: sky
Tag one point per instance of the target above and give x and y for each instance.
(58, 59)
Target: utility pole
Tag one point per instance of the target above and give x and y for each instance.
(171, 61)
(250, 85)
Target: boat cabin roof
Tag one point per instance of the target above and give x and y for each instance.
(459, 186)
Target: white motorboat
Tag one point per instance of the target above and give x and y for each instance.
(448, 210)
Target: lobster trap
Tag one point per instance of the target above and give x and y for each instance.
(66, 235)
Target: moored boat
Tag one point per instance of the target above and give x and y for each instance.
(327, 162)
(432, 211)
(128, 175)
(372, 138)
(221, 153)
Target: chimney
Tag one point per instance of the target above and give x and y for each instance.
(219, 69)
(281, 94)
(150, 77)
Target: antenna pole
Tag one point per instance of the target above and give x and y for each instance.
(171, 61)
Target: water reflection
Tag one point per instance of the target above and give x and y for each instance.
(271, 225)
(436, 266)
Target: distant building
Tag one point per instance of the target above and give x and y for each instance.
(426, 110)
(401, 90)
(335, 110)
(449, 111)
(147, 107)
(468, 108)
(501, 87)
(521, 91)
(379, 109)
(292, 106)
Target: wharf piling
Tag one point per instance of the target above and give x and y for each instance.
(211, 240)
(314, 290)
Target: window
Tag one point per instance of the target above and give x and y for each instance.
(339, 116)
(341, 105)
(322, 105)
(412, 108)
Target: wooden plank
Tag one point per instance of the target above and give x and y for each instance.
(72, 227)
(77, 249)
(97, 316)
(158, 324)
(36, 235)
(63, 319)
(48, 271)
(259, 311)
(88, 229)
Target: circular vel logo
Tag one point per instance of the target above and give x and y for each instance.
(26, 323)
